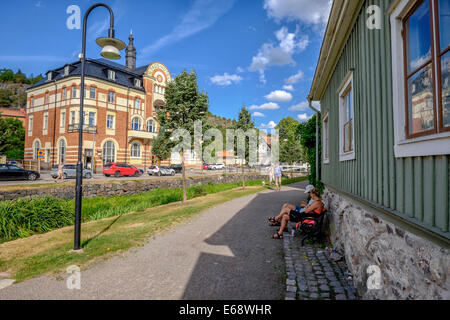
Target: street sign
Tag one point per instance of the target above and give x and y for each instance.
(41, 154)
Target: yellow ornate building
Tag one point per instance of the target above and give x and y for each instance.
(119, 115)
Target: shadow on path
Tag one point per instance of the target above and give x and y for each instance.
(256, 270)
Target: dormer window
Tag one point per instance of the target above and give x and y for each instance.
(137, 83)
(49, 76)
(111, 75)
(66, 71)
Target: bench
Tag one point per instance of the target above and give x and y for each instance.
(311, 226)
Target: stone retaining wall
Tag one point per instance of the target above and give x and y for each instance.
(411, 267)
(115, 188)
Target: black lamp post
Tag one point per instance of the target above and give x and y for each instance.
(111, 50)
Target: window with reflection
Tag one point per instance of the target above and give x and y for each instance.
(136, 124)
(427, 67)
(109, 152)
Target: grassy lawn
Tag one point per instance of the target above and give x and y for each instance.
(120, 223)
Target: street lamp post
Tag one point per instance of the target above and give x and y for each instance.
(111, 50)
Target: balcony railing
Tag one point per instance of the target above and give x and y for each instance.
(141, 134)
(75, 127)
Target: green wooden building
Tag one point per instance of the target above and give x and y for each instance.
(383, 82)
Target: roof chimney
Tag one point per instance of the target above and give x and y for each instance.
(131, 53)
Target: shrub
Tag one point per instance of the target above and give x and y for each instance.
(22, 218)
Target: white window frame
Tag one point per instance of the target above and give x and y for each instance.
(135, 156)
(30, 124)
(112, 75)
(62, 122)
(348, 82)
(325, 139)
(74, 91)
(434, 144)
(64, 93)
(112, 122)
(137, 103)
(66, 71)
(45, 121)
(137, 83)
(92, 90)
(113, 97)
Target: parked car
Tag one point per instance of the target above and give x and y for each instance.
(217, 166)
(178, 168)
(70, 172)
(167, 171)
(15, 163)
(120, 169)
(13, 172)
(205, 166)
(160, 171)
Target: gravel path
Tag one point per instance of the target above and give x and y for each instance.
(224, 253)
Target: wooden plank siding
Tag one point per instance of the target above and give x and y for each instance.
(416, 188)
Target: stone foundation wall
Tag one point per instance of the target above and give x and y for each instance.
(115, 188)
(411, 267)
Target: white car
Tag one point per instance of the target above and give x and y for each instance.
(218, 166)
(160, 171)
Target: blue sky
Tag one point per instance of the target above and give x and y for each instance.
(261, 53)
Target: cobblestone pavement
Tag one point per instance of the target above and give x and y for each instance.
(312, 275)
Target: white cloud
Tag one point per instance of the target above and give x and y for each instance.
(278, 55)
(258, 114)
(193, 22)
(295, 78)
(239, 70)
(270, 125)
(303, 117)
(304, 106)
(288, 87)
(279, 96)
(226, 79)
(309, 12)
(265, 106)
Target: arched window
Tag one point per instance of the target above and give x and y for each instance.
(62, 151)
(151, 126)
(109, 152)
(37, 147)
(136, 150)
(136, 124)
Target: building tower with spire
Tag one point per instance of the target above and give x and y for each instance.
(131, 53)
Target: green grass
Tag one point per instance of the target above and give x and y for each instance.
(23, 218)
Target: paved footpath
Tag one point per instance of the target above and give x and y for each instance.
(224, 253)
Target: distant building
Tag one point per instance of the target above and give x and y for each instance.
(120, 109)
(18, 114)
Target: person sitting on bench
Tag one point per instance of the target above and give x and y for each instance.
(294, 215)
(287, 207)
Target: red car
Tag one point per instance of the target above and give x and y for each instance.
(205, 166)
(120, 169)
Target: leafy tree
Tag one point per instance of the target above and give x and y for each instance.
(12, 138)
(307, 130)
(184, 105)
(6, 98)
(291, 149)
(162, 145)
(245, 123)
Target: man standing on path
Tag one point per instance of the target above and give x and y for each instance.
(277, 172)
